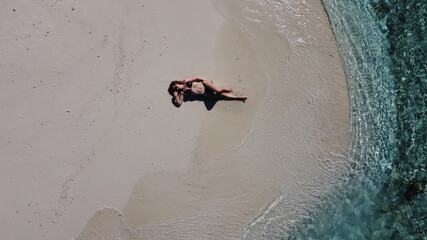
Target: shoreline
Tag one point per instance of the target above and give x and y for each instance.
(112, 140)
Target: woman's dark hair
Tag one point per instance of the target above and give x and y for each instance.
(173, 83)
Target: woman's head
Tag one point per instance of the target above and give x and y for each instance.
(172, 85)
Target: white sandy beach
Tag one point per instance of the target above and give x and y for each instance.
(91, 146)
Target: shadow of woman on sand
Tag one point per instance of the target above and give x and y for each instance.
(208, 101)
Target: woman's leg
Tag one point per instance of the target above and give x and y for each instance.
(213, 88)
(232, 96)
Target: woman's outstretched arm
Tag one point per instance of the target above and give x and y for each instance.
(194, 79)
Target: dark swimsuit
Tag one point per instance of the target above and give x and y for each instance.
(189, 84)
(207, 92)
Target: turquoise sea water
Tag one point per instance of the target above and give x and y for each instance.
(383, 46)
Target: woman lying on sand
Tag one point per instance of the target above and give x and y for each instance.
(199, 87)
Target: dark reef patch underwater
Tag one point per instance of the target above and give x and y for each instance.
(383, 194)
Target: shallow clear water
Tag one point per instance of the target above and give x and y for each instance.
(383, 46)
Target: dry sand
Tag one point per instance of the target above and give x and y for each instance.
(91, 145)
